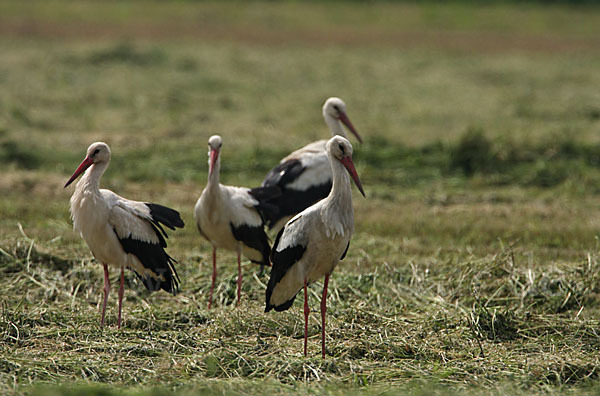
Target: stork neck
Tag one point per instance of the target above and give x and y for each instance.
(91, 178)
(341, 188)
(213, 178)
(335, 126)
(337, 211)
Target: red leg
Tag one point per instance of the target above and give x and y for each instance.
(214, 276)
(121, 290)
(306, 312)
(239, 280)
(323, 311)
(106, 291)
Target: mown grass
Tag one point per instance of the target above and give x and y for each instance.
(474, 267)
(463, 322)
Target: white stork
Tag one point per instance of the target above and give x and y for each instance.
(228, 218)
(311, 244)
(120, 232)
(304, 177)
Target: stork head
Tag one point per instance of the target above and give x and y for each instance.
(97, 153)
(336, 108)
(214, 148)
(340, 148)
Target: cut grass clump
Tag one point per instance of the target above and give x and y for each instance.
(21, 156)
(545, 173)
(24, 254)
(559, 295)
(493, 324)
(390, 162)
(543, 164)
(567, 373)
(472, 153)
(127, 53)
(22, 153)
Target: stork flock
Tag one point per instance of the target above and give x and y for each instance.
(307, 198)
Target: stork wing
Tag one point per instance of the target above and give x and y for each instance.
(253, 237)
(266, 208)
(293, 234)
(316, 147)
(143, 220)
(131, 219)
(239, 196)
(246, 206)
(138, 228)
(302, 182)
(284, 173)
(291, 167)
(288, 249)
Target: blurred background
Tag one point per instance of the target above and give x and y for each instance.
(453, 95)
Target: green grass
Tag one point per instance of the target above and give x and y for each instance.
(474, 266)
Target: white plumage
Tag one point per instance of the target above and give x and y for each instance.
(312, 243)
(228, 218)
(304, 176)
(100, 216)
(120, 232)
(317, 170)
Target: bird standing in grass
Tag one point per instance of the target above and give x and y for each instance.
(120, 232)
(311, 244)
(228, 218)
(304, 177)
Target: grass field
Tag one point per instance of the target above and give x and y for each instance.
(474, 266)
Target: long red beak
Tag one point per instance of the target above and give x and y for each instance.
(86, 163)
(349, 165)
(346, 121)
(214, 154)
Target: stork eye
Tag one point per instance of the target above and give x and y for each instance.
(96, 151)
(336, 108)
(341, 148)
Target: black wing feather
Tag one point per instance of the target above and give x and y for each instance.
(153, 255)
(291, 202)
(288, 201)
(266, 209)
(282, 261)
(284, 173)
(167, 216)
(345, 251)
(265, 193)
(254, 237)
